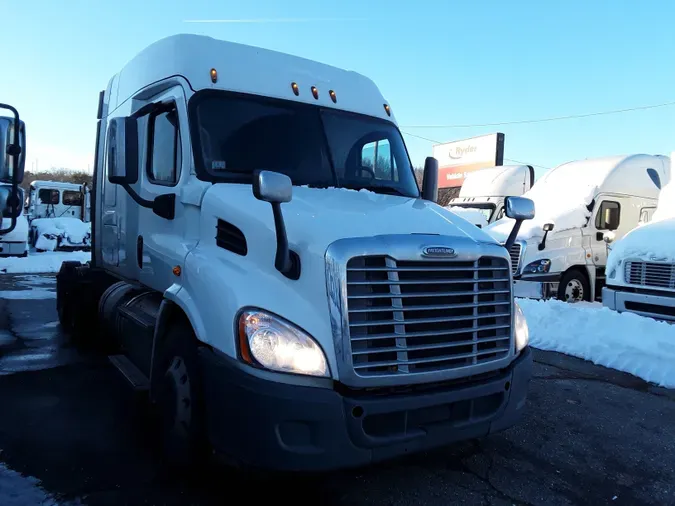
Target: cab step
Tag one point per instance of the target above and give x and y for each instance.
(131, 373)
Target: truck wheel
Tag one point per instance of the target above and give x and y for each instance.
(574, 287)
(180, 401)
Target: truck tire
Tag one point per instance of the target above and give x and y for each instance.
(574, 287)
(179, 400)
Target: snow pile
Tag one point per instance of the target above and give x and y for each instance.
(652, 241)
(41, 262)
(561, 196)
(622, 341)
(471, 215)
(18, 490)
(58, 232)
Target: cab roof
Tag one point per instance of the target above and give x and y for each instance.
(245, 69)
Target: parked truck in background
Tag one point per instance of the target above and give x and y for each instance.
(14, 226)
(485, 191)
(562, 253)
(641, 266)
(56, 199)
(281, 301)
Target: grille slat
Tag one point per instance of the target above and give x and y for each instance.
(658, 275)
(386, 309)
(444, 358)
(431, 346)
(411, 317)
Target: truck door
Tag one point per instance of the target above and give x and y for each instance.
(160, 244)
(610, 215)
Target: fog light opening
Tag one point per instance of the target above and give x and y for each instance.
(507, 386)
(357, 412)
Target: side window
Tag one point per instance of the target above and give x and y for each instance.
(608, 217)
(72, 198)
(377, 157)
(164, 151)
(47, 196)
(646, 214)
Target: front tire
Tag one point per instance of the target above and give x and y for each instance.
(180, 402)
(574, 287)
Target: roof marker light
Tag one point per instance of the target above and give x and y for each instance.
(214, 75)
(388, 109)
(333, 97)
(315, 92)
(296, 90)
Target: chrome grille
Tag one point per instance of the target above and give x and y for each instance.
(650, 274)
(514, 252)
(409, 317)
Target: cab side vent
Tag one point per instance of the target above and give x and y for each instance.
(231, 238)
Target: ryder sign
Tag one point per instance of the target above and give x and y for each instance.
(456, 159)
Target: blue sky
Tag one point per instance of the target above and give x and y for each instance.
(438, 62)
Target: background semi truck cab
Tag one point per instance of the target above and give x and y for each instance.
(562, 253)
(641, 266)
(265, 265)
(486, 190)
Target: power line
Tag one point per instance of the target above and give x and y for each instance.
(437, 142)
(542, 120)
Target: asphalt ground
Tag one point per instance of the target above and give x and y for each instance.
(71, 428)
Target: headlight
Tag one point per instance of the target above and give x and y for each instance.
(538, 267)
(275, 344)
(520, 327)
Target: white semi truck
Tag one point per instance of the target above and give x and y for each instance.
(13, 223)
(281, 302)
(641, 266)
(562, 253)
(486, 190)
(57, 199)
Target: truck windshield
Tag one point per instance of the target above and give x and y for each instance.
(234, 135)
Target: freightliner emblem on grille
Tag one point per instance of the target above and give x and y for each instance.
(439, 251)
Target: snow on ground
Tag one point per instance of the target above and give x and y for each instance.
(623, 341)
(471, 215)
(18, 490)
(41, 262)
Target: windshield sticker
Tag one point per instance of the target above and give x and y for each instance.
(218, 165)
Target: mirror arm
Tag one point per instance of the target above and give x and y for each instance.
(164, 208)
(542, 244)
(282, 260)
(512, 236)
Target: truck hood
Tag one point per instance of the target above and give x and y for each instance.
(317, 217)
(649, 243)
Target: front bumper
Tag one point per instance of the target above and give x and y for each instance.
(652, 305)
(293, 427)
(537, 287)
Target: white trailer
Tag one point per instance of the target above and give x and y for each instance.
(562, 252)
(641, 266)
(486, 190)
(281, 301)
(57, 199)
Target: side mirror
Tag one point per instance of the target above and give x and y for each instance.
(430, 180)
(12, 155)
(548, 227)
(272, 187)
(608, 237)
(276, 189)
(122, 151)
(519, 208)
(5, 197)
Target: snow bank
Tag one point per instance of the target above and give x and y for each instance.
(41, 262)
(18, 490)
(622, 341)
(53, 232)
(471, 215)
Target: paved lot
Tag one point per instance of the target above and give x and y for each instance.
(591, 436)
